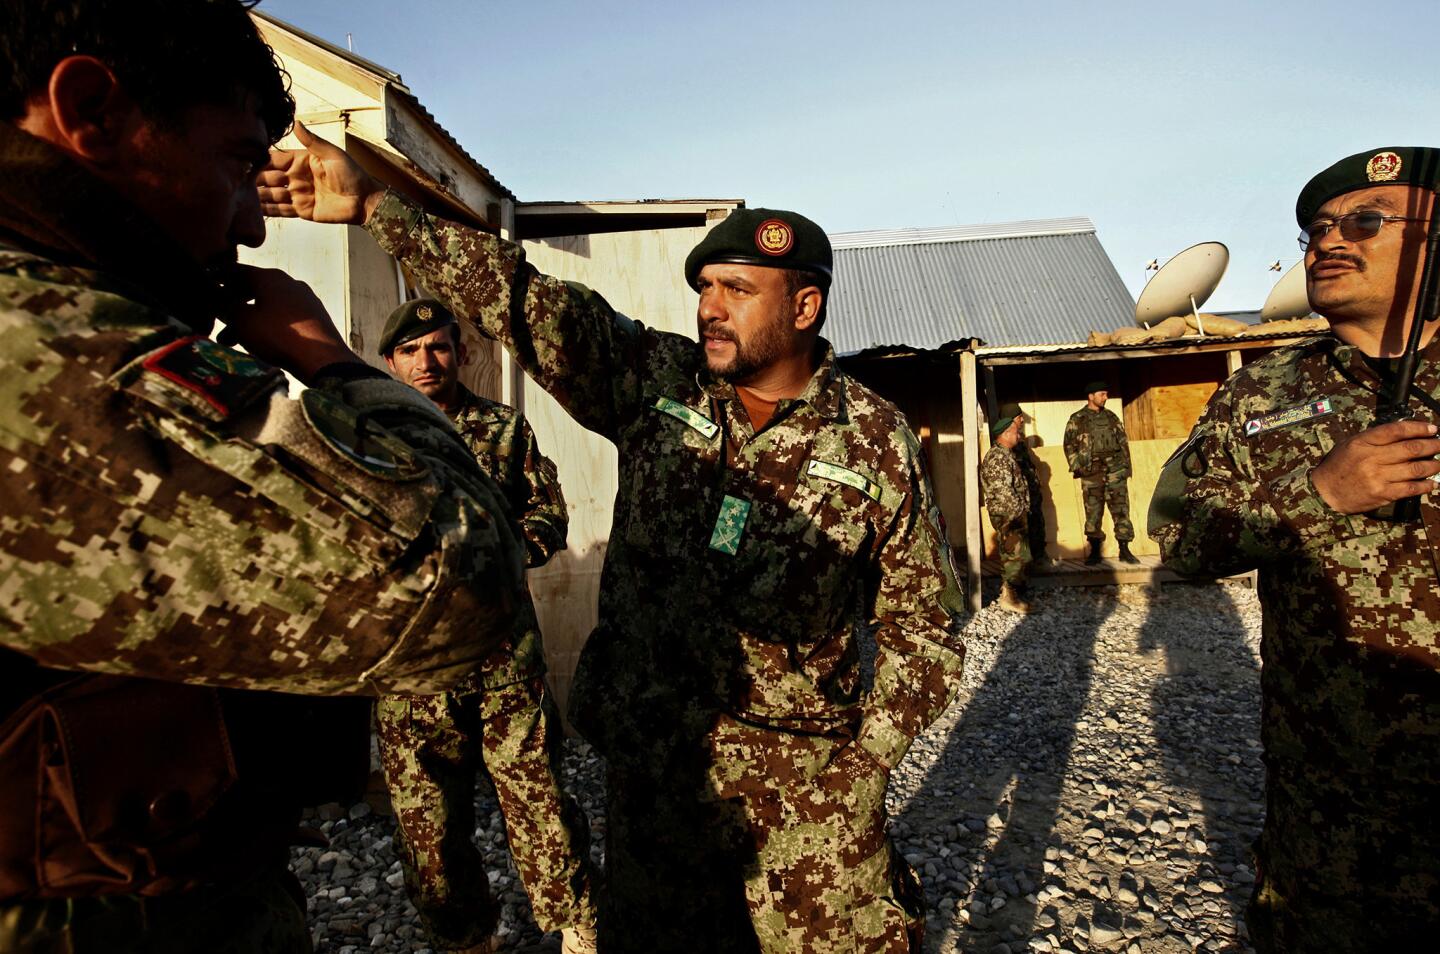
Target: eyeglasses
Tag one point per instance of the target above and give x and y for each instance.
(1354, 227)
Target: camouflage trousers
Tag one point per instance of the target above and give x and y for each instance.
(1013, 544)
(1346, 871)
(782, 848)
(431, 748)
(264, 914)
(1107, 489)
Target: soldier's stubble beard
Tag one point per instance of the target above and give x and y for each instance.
(766, 346)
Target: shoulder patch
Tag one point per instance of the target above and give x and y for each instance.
(368, 446)
(689, 416)
(1290, 415)
(224, 379)
(843, 475)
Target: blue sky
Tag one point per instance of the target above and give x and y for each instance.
(1167, 124)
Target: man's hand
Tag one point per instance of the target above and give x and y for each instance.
(320, 183)
(280, 321)
(1379, 466)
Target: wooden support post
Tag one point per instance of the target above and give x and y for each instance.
(1232, 362)
(512, 379)
(970, 435)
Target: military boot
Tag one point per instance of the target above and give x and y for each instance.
(1125, 555)
(1094, 558)
(1011, 600)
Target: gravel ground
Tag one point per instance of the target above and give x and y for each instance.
(1095, 788)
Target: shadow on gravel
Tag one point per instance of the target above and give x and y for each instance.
(1001, 775)
(1206, 711)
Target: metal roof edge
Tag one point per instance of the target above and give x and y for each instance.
(1024, 228)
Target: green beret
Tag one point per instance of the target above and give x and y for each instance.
(767, 237)
(412, 320)
(1392, 165)
(1096, 385)
(1007, 415)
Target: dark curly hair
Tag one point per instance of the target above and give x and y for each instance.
(170, 55)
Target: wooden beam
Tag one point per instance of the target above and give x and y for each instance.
(970, 431)
(1049, 357)
(1232, 362)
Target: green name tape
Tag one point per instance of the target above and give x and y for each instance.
(680, 412)
(730, 525)
(843, 475)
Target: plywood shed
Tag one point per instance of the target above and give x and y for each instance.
(949, 394)
(1157, 389)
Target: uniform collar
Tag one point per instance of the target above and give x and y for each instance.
(469, 401)
(825, 391)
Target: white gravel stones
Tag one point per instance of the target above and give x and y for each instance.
(1095, 789)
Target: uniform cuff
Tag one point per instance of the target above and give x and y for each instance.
(1306, 514)
(392, 221)
(885, 743)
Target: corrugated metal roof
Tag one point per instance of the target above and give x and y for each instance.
(1019, 283)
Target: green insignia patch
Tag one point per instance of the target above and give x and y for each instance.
(680, 412)
(730, 525)
(843, 475)
(368, 446)
(225, 379)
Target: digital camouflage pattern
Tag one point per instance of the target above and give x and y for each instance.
(1349, 858)
(1007, 498)
(430, 748)
(1098, 453)
(169, 512)
(840, 520)
(500, 720)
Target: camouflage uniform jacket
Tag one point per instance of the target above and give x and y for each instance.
(169, 513)
(737, 561)
(505, 448)
(1351, 604)
(1004, 488)
(1095, 444)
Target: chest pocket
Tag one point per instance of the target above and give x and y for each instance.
(1277, 451)
(671, 482)
(800, 563)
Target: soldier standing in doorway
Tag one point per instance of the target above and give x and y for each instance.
(1007, 495)
(1099, 455)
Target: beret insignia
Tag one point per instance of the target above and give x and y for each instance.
(423, 313)
(1383, 167)
(774, 237)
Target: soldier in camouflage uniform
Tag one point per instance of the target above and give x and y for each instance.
(1007, 498)
(1098, 453)
(500, 717)
(765, 500)
(174, 531)
(1287, 472)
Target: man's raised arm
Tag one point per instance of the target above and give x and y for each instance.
(564, 335)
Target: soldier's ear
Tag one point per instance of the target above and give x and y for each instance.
(390, 361)
(86, 111)
(807, 307)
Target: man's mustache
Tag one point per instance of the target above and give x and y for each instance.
(1359, 263)
(716, 331)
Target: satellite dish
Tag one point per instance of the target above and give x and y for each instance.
(1183, 284)
(1288, 298)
